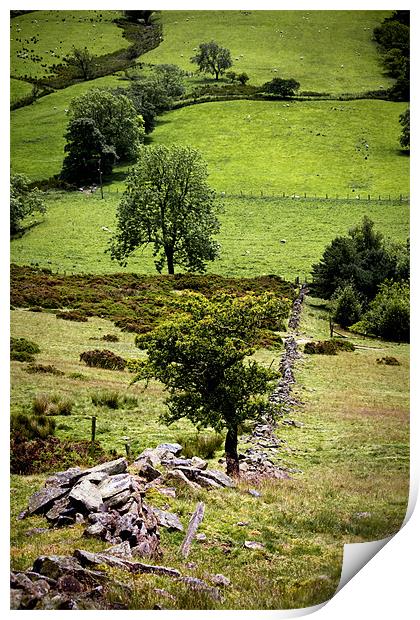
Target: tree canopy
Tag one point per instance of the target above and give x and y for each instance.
(281, 87)
(202, 358)
(405, 132)
(168, 203)
(362, 259)
(114, 116)
(212, 58)
(24, 201)
(86, 151)
(82, 62)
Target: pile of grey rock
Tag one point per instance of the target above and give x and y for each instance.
(192, 473)
(108, 499)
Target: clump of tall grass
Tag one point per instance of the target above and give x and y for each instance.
(29, 427)
(201, 444)
(114, 400)
(51, 404)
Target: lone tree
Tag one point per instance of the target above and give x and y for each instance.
(136, 16)
(212, 58)
(24, 201)
(168, 203)
(281, 87)
(114, 116)
(87, 152)
(82, 61)
(405, 133)
(201, 360)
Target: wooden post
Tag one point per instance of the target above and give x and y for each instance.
(93, 432)
(195, 521)
(128, 450)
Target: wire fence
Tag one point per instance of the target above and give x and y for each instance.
(328, 196)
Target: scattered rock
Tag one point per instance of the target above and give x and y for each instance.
(252, 544)
(168, 520)
(254, 493)
(220, 580)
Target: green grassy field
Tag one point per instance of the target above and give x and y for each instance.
(352, 452)
(273, 147)
(37, 130)
(326, 51)
(55, 34)
(314, 147)
(251, 234)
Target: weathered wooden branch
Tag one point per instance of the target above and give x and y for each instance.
(195, 521)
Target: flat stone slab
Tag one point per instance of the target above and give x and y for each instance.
(112, 485)
(175, 448)
(87, 494)
(111, 468)
(41, 501)
(168, 519)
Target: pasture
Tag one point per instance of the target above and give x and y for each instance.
(351, 460)
(42, 38)
(250, 236)
(326, 51)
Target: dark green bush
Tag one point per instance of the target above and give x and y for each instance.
(51, 454)
(103, 359)
(23, 345)
(48, 369)
(322, 347)
(21, 356)
(72, 315)
(110, 338)
(388, 361)
(344, 345)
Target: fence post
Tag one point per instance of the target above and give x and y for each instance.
(93, 432)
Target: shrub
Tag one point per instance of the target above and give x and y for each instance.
(21, 356)
(78, 375)
(103, 359)
(204, 445)
(388, 314)
(344, 345)
(322, 347)
(110, 338)
(72, 315)
(346, 306)
(388, 361)
(54, 404)
(23, 345)
(39, 368)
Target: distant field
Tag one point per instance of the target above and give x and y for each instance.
(55, 33)
(316, 147)
(19, 89)
(328, 51)
(71, 238)
(251, 146)
(37, 130)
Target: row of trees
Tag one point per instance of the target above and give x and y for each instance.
(366, 278)
(393, 38)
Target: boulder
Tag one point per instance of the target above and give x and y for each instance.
(112, 485)
(87, 494)
(207, 483)
(147, 471)
(168, 520)
(252, 544)
(198, 463)
(213, 474)
(41, 501)
(111, 468)
(220, 580)
(175, 448)
(64, 478)
(178, 477)
(123, 550)
(199, 585)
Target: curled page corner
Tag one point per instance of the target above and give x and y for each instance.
(356, 556)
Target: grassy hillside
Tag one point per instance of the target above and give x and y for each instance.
(351, 453)
(42, 38)
(37, 130)
(250, 146)
(314, 147)
(250, 234)
(326, 51)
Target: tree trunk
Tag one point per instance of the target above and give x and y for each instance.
(231, 451)
(169, 252)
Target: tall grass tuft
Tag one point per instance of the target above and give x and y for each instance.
(51, 404)
(28, 426)
(204, 445)
(114, 400)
